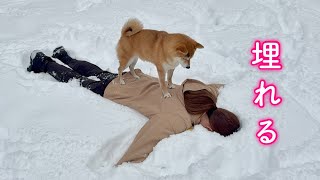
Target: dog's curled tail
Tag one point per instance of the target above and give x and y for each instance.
(131, 27)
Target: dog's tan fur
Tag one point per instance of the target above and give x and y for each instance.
(166, 51)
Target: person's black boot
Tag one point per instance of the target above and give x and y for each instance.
(61, 54)
(38, 62)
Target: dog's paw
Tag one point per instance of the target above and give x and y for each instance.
(167, 95)
(137, 77)
(171, 86)
(122, 82)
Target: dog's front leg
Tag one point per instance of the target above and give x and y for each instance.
(162, 75)
(170, 84)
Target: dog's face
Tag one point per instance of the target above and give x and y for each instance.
(185, 51)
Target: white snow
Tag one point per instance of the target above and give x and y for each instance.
(52, 130)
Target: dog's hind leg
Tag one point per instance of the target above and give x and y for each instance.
(123, 61)
(132, 63)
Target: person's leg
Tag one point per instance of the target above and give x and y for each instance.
(82, 67)
(39, 62)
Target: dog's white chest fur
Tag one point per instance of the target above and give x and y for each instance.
(172, 65)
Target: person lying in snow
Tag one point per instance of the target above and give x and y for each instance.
(192, 103)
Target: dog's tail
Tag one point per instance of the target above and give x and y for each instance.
(131, 27)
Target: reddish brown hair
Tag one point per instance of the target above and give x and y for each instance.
(221, 120)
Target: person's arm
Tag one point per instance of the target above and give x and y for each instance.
(215, 90)
(156, 129)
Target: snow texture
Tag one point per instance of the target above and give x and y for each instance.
(52, 130)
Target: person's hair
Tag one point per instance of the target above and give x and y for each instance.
(221, 120)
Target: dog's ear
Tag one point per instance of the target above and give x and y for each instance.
(199, 46)
(182, 49)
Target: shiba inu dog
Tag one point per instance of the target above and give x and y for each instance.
(166, 51)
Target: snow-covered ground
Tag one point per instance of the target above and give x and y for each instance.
(51, 130)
